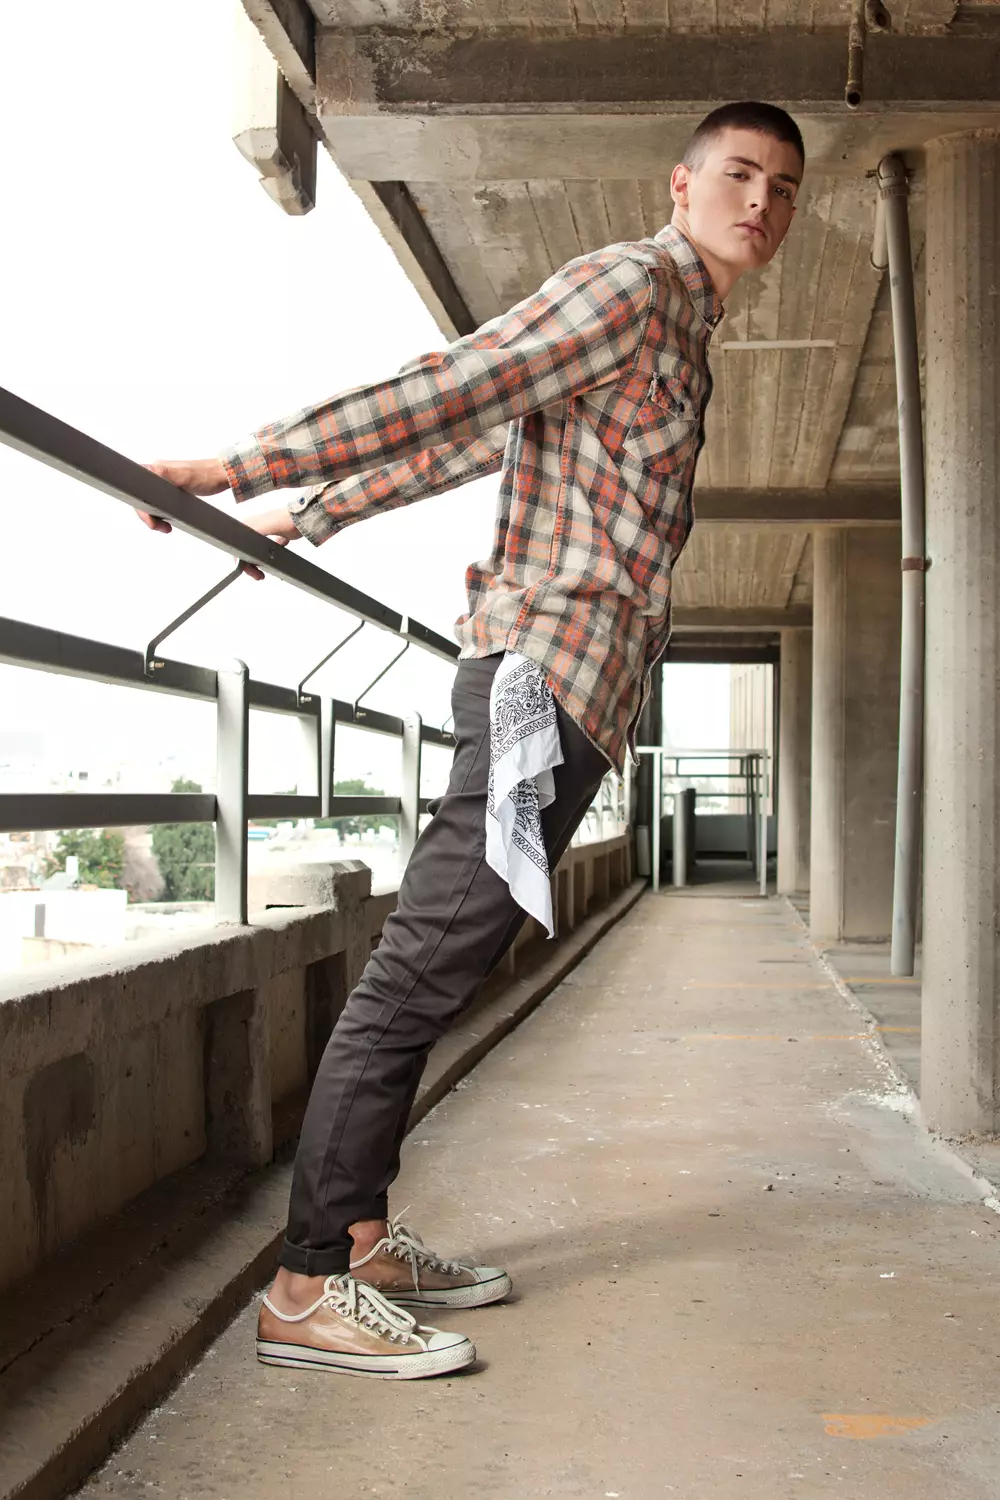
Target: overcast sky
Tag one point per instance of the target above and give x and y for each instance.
(156, 298)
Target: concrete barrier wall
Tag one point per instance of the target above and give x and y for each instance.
(121, 1070)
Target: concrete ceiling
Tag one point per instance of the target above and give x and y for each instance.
(492, 140)
(703, 17)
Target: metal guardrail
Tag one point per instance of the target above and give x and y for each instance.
(50, 441)
(43, 437)
(754, 772)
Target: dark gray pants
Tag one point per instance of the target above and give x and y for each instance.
(454, 921)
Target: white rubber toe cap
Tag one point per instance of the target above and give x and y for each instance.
(445, 1340)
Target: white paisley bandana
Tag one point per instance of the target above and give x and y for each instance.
(524, 747)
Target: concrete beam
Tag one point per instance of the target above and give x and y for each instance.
(700, 617)
(373, 71)
(712, 640)
(854, 505)
(396, 203)
(289, 29)
(602, 17)
(271, 127)
(695, 649)
(374, 143)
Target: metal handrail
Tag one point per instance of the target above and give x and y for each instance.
(756, 773)
(50, 441)
(36, 646)
(45, 438)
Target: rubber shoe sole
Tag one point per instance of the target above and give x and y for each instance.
(480, 1294)
(456, 1354)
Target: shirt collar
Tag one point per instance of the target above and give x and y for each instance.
(696, 278)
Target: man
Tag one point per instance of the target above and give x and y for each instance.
(589, 397)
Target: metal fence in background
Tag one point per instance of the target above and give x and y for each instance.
(234, 692)
(754, 776)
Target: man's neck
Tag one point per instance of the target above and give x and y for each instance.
(724, 277)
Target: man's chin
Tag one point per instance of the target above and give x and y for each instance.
(750, 252)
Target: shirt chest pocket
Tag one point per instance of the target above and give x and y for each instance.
(664, 427)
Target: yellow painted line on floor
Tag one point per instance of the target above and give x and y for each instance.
(874, 979)
(705, 984)
(735, 1036)
(782, 1036)
(869, 1424)
(773, 1036)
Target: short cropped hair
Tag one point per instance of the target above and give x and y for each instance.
(766, 119)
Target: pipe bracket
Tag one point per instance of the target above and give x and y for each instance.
(915, 564)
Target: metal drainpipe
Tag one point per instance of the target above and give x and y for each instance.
(893, 193)
(866, 16)
(856, 37)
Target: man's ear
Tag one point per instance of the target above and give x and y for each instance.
(679, 179)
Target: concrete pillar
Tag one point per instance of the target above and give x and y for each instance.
(826, 874)
(794, 760)
(855, 731)
(961, 1028)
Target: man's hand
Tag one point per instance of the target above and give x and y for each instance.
(199, 476)
(276, 524)
(207, 476)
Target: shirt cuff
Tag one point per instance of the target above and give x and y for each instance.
(312, 519)
(247, 471)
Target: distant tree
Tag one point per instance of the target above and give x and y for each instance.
(185, 853)
(359, 823)
(101, 855)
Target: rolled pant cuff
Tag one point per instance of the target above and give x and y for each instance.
(304, 1262)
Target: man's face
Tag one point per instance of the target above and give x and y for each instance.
(737, 205)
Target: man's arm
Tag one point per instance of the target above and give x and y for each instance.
(329, 508)
(581, 330)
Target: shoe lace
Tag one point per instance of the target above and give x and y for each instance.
(366, 1307)
(406, 1244)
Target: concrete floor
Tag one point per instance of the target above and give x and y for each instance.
(895, 1005)
(894, 1002)
(741, 1269)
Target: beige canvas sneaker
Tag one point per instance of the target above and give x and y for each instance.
(353, 1330)
(402, 1268)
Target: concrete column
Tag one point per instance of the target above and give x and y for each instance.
(855, 731)
(826, 873)
(959, 1072)
(794, 760)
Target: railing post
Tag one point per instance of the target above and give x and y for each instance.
(680, 832)
(409, 817)
(327, 748)
(763, 822)
(232, 741)
(657, 814)
(307, 779)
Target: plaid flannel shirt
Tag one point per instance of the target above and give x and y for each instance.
(589, 397)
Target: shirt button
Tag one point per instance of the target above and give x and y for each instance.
(294, 506)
